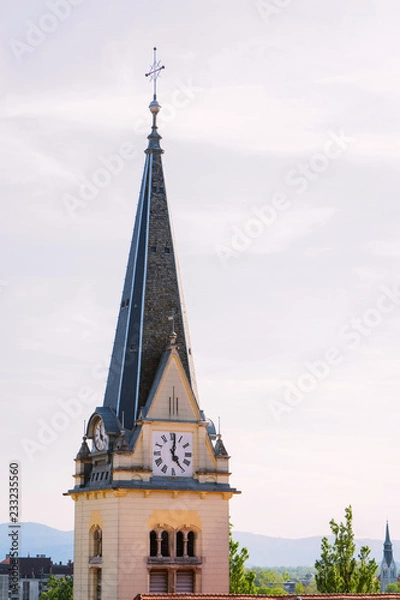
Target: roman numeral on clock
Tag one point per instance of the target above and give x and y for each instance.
(158, 461)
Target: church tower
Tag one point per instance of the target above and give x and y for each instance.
(388, 566)
(152, 476)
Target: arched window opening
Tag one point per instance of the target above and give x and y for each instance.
(96, 542)
(97, 538)
(164, 543)
(185, 543)
(153, 543)
(190, 544)
(179, 543)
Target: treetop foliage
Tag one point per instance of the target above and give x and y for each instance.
(58, 589)
(338, 570)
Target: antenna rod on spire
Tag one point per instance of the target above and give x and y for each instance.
(154, 73)
(171, 317)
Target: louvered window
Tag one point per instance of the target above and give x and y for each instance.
(184, 582)
(159, 582)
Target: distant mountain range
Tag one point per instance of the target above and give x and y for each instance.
(39, 539)
(264, 551)
(271, 551)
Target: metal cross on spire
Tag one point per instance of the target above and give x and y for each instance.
(155, 71)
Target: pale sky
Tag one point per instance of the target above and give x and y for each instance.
(280, 125)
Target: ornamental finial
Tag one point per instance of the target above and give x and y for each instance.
(154, 73)
(172, 336)
(154, 106)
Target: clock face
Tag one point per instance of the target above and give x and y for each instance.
(100, 437)
(172, 454)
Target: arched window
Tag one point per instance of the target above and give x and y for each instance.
(153, 543)
(97, 538)
(164, 543)
(159, 543)
(96, 542)
(179, 543)
(185, 543)
(190, 544)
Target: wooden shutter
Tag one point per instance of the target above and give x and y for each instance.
(184, 582)
(159, 582)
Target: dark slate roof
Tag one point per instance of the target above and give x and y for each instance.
(111, 423)
(150, 295)
(182, 484)
(32, 566)
(65, 570)
(37, 567)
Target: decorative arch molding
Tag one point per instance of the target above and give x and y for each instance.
(173, 520)
(96, 519)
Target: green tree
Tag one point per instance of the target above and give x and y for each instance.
(241, 580)
(271, 591)
(338, 570)
(299, 588)
(393, 588)
(58, 589)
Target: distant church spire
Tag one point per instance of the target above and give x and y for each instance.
(151, 291)
(388, 566)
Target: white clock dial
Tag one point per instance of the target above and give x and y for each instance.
(172, 454)
(100, 436)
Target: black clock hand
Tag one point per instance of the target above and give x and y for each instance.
(176, 460)
(172, 450)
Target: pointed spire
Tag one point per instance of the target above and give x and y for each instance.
(84, 451)
(151, 291)
(387, 539)
(220, 449)
(388, 572)
(121, 443)
(387, 547)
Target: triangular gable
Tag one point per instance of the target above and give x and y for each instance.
(171, 397)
